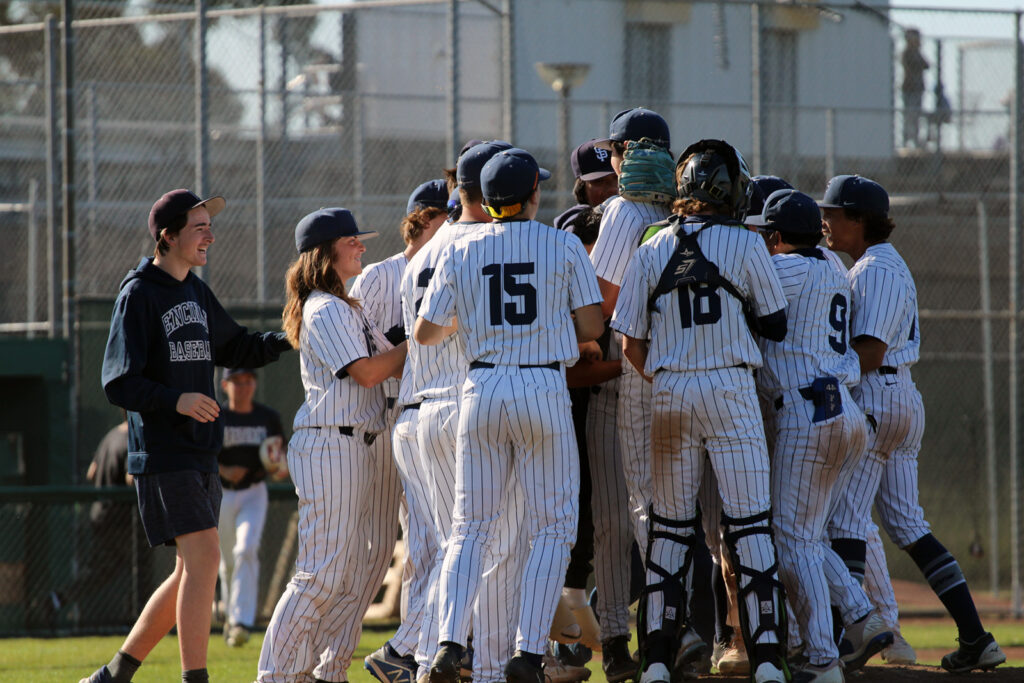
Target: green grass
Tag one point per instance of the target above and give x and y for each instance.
(63, 660)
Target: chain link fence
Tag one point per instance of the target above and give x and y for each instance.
(303, 106)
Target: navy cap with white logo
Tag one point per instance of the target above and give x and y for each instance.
(326, 225)
(590, 162)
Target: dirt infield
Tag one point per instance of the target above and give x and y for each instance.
(910, 674)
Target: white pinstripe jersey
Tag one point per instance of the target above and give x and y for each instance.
(885, 304)
(512, 286)
(334, 335)
(817, 342)
(378, 289)
(431, 371)
(622, 225)
(704, 330)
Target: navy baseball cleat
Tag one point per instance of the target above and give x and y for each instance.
(387, 666)
(984, 653)
(864, 638)
(520, 670)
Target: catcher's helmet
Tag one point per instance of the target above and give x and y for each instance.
(717, 174)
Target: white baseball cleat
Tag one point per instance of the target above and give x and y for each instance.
(767, 672)
(656, 673)
(899, 653)
(829, 673)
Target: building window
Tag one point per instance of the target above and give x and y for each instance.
(648, 59)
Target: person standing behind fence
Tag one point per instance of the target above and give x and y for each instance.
(343, 361)
(243, 511)
(914, 66)
(167, 333)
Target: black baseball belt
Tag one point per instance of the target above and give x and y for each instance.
(478, 364)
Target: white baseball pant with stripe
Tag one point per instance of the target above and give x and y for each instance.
(499, 434)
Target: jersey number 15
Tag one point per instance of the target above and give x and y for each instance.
(502, 276)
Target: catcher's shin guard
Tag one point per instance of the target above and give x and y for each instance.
(672, 585)
(764, 584)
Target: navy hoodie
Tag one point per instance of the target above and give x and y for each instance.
(166, 336)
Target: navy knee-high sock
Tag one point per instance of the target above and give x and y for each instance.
(946, 578)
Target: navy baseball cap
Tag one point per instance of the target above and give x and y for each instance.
(590, 163)
(567, 219)
(472, 161)
(469, 144)
(761, 186)
(508, 179)
(326, 225)
(231, 372)
(633, 124)
(176, 204)
(431, 194)
(855, 192)
(788, 210)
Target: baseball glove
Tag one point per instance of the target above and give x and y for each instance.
(272, 455)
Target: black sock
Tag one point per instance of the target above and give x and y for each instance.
(854, 554)
(122, 667)
(534, 659)
(658, 647)
(391, 650)
(766, 652)
(452, 644)
(946, 578)
(195, 676)
(723, 632)
(837, 625)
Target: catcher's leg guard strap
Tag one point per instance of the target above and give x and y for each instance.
(672, 583)
(763, 583)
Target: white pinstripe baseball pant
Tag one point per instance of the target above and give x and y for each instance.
(806, 465)
(878, 583)
(713, 413)
(888, 475)
(633, 422)
(500, 432)
(421, 540)
(319, 611)
(496, 610)
(609, 501)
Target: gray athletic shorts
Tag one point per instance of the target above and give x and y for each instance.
(173, 504)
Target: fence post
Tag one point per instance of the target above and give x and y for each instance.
(984, 284)
(1016, 154)
(202, 119)
(830, 143)
(33, 255)
(261, 135)
(756, 109)
(508, 82)
(453, 83)
(53, 258)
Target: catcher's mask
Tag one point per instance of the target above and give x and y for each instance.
(717, 174)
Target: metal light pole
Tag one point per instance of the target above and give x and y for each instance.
(563, 77)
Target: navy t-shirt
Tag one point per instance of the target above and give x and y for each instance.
(243, 434)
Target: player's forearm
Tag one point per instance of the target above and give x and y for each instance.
(610, 294)
(871, 352)
(635, 351)
(369, 372)
(428, 333)
(589, 373)
(589, 323)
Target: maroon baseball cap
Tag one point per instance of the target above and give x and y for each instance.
(590, 162)
(176, 204)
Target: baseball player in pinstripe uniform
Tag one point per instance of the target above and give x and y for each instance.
(344, 359)
(379, 288)
(622, 225)
(816, 428)
(514, 287)
(885, 333)
(434, 378)
(692, 291)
